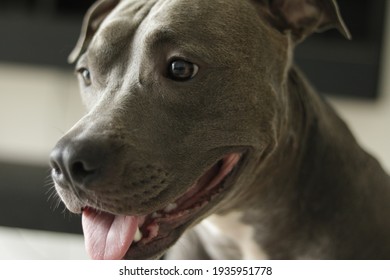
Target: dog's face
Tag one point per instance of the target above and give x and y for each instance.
(182, 99)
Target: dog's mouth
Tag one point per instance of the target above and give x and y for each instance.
(109, 236)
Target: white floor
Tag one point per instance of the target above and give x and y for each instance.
(22, 244)
(51, 105)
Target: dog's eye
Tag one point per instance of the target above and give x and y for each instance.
(181, 70)
(86, 75)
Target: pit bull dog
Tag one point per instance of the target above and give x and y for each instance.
(201, 133)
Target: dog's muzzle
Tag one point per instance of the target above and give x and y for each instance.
(111, 229)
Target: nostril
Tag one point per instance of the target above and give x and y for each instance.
(56, 162)
(79, 163)
(56, 168)
(80, 171)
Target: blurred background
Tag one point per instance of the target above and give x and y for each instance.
(39, 102)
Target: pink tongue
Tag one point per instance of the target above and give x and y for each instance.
(108, 237)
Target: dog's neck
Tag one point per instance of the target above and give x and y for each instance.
(301, 200)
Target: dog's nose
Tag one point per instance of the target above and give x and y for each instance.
(78, 162)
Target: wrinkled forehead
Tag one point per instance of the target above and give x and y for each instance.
(121, 24)
(220, 25)
(199, 13)
(208, 21)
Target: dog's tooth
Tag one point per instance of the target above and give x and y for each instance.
(156, 215)
(138, 235)
(170, 207)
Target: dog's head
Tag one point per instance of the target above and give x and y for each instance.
(183, 103)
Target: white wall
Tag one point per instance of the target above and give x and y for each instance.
(37, 105)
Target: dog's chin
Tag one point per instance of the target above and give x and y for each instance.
(149, 236)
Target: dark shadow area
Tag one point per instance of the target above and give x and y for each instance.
(26, 201)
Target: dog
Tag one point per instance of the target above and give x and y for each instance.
(203, 140)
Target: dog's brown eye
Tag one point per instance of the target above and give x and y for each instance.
(181, 70)
(86, 75)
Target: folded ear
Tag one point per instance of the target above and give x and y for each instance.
(92, 20)
(303, 17)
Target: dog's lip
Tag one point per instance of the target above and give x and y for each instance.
(189, 207)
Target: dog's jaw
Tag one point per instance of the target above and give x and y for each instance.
(117, 236)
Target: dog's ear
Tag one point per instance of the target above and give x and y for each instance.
(92, 20)
(303, 17)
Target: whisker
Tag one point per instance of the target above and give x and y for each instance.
(54, 198)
